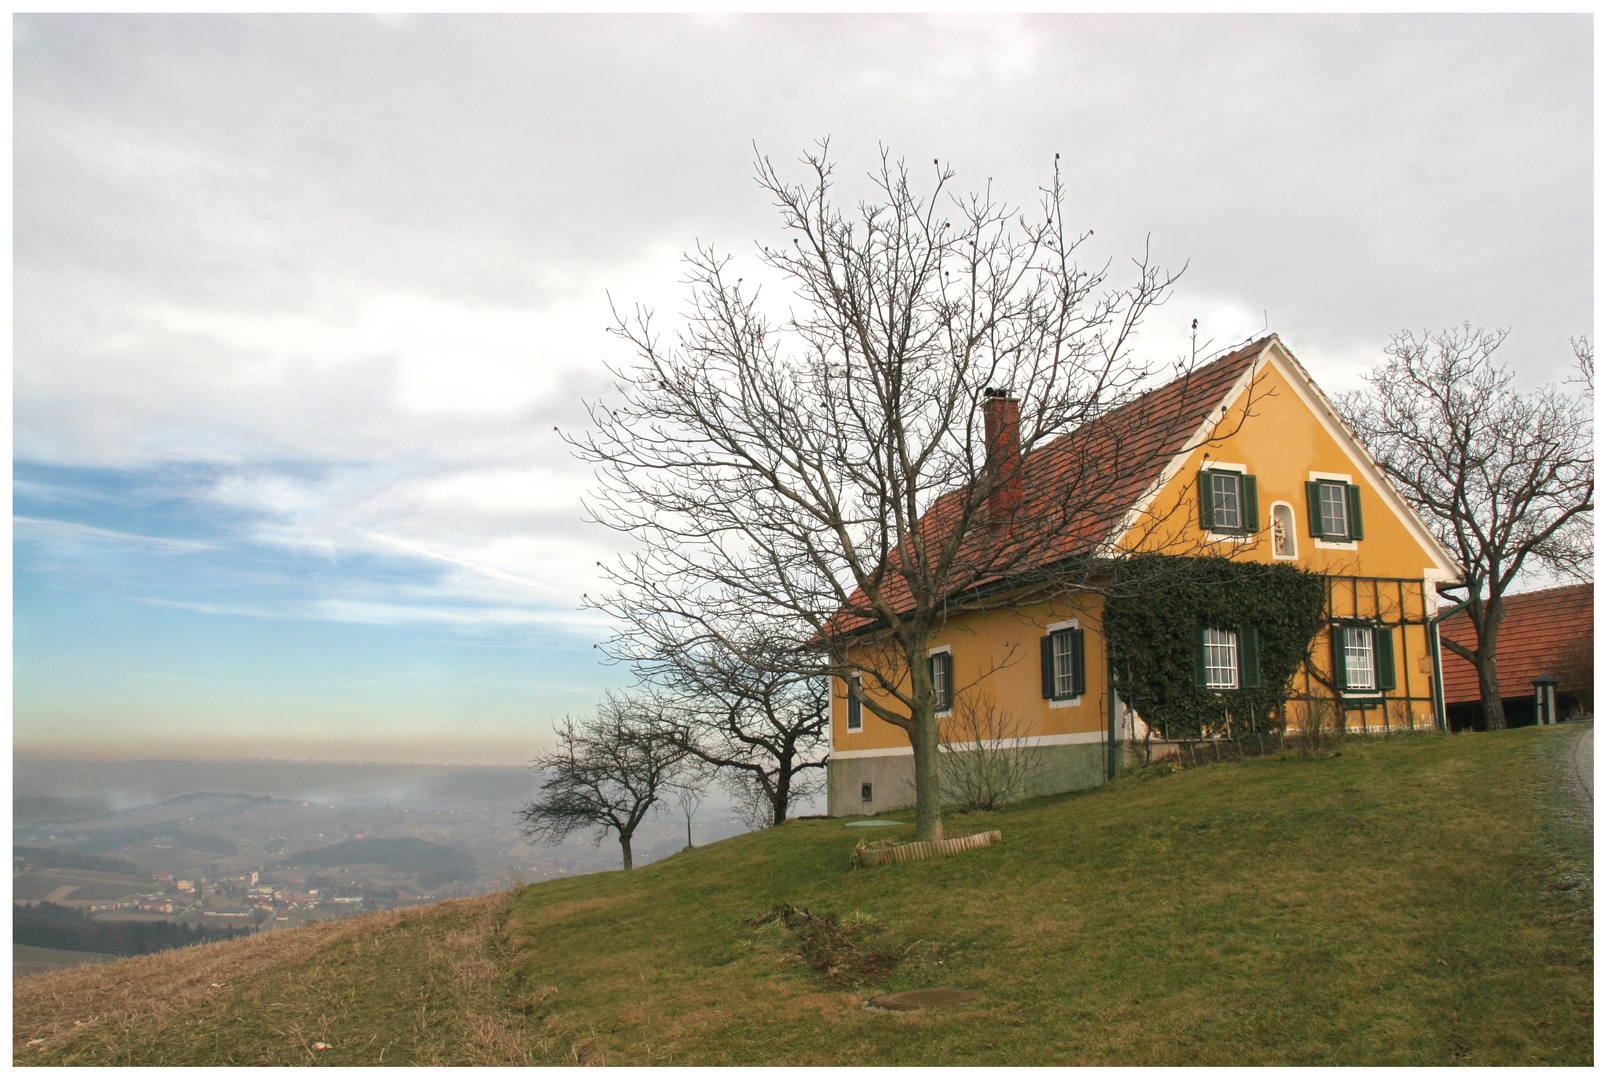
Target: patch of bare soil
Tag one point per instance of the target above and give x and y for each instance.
(833, 949)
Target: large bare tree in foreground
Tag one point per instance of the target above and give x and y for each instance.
(1506, 480)
(773, 469)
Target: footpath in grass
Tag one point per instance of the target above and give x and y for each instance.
(1413, 902)
(1395, 905)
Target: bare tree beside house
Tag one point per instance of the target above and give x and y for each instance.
(606, 774)
(832, 468)
(742, 713)
(1506, 480)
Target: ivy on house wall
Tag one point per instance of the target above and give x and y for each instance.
(1153, 607)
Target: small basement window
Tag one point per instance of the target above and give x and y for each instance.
(864, 793)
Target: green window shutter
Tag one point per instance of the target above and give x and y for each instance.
(1199, 657)
(1341, 676)
(1249, 658)
(1314, 507)
(1079, 676)
(1207, 502)
(1353, 505)
(1384, 657)
(1046, 658)
(1249, 512)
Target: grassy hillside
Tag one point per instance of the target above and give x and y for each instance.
(1411, 903)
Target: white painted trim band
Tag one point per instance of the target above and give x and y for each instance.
(1076, 738)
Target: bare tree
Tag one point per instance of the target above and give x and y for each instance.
(606, 774)
(1506, 480)
(743, 712)
(688, 796)
(827, 468)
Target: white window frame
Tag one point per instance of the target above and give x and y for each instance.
(1242, 470)
(855, 677)
(1367, 649)
(1293, 532)
(944, 650)
(1231, 643)
(1051, 630)
(1333, 478)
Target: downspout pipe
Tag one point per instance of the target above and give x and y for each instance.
(1110, 718)
(1434, 653)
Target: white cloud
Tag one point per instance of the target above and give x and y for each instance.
(359, 266)
(76, 531)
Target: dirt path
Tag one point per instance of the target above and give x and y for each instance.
(1579, 772)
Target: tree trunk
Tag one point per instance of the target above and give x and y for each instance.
(625, 849)
(925, 736)
(924, 739)
(1489, 615)
(782, 794)
(1495, 717)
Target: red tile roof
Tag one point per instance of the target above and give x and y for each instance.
(1537, 632)
(1117, 458)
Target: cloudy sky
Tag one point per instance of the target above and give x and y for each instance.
(299, 301)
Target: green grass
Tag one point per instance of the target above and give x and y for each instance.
(1415, 902)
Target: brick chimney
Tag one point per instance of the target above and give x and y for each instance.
(1001, 419)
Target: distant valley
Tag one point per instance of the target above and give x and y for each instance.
(291, 843)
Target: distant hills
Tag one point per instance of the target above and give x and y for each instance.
(112, 839)
(50, 859)
(89, 786)
(434, 864)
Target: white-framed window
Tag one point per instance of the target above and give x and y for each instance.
(856, 710)
(1228, 500)
(1361, 672)
(1227, 658)
(1335, 520)
(1364, 657)
(1065, 660)
(940, 665)
(1221, 659)
(1062, 666)
(1333, 505)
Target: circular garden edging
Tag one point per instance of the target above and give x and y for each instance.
(917, 850)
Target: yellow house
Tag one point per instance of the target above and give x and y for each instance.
(1263, 470)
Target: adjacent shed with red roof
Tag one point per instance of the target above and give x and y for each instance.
(1546, 632)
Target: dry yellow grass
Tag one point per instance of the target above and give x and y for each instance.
(91, 1014)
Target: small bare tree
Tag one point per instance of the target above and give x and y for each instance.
(829, 470)
(1506, 480)
(606, 774)
(688, 796)
(987, 757)
(742, 712)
